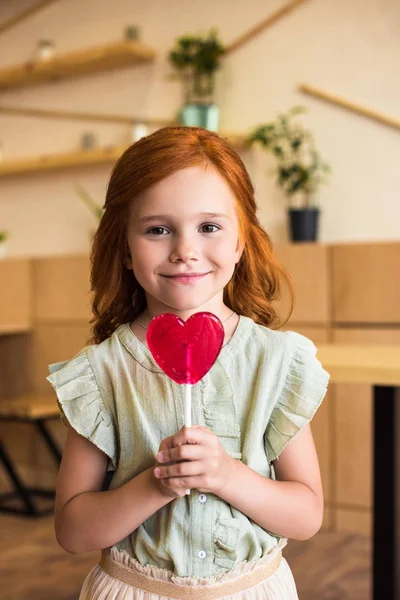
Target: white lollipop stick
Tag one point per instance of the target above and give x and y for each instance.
(188, 396)
(188, 405)
(188, 411)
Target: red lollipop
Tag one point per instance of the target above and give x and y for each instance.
(186, 351)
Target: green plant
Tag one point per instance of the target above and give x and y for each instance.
(3, 236)
(299, 165)
(196, 59)
(90, 203)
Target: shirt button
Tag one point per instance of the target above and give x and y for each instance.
(202, 554)
(202, 498)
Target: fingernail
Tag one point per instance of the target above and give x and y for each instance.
(160, 456)
(157, 472)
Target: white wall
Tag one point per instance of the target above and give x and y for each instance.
(350, 48)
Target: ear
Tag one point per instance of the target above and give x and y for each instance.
(127, 261)
(239, 250)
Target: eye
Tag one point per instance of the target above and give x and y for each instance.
(157, 231)
(209, 228)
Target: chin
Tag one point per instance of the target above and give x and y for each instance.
(180, 306)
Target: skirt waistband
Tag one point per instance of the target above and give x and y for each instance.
(186, 592)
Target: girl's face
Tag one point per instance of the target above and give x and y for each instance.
(183, 238)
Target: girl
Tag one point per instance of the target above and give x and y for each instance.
(180, 235)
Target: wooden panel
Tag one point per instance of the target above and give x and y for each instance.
(15, 296)
(53, 343)
(61, 289)
(15, 364)
(366, 283)
(318, 335)
(309, 266)
(354, 521)
(353, 424)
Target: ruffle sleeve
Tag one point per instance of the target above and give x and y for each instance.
(81, 404)
(303, 391)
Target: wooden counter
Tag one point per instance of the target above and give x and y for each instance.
(380, 367)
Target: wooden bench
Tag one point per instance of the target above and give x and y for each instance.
(35, 409)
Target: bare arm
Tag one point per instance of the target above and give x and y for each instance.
(89, 519)
(290, 507)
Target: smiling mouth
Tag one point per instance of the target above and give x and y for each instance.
(186, 277)
(180, 275)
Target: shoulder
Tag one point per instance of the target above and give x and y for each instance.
(93, 365)
(103, 356)
(275, 341)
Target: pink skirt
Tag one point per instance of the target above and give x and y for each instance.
(268, 578)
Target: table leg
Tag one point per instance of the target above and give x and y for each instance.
(386, 540)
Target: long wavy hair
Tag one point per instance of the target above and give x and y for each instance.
(117, 296)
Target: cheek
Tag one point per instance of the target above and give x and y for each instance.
(225, 249)
(146, 255)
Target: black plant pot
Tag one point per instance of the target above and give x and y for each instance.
(303, 224)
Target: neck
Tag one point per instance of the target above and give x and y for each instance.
(214, 305)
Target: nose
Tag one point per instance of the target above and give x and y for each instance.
(184, 249)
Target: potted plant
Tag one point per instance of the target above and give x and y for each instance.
(300, 170)
(196, 60)
(3, 246)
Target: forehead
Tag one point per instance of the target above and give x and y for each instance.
(188, 191)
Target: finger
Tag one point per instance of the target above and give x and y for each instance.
(182, 483)
(187, 435)
(179, 453)
(183, 469)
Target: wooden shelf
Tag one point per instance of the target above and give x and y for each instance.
(80, 158)
(92, 60)
(52, 162)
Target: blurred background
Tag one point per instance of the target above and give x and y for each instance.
(308, 94)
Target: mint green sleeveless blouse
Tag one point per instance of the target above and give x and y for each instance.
(264, 386)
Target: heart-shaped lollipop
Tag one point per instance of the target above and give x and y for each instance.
(185, 351)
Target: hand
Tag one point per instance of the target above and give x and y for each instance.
(193, 458)
(167, 490)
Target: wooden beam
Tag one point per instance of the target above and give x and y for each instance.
(348, 105)
(81, 116)
(28, 12)
(270, 20)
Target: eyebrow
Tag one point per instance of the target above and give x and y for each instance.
(166, 217)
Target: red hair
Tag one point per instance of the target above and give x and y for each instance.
(118, 297)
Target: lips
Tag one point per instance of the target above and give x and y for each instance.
(183, 275)
(186, 277)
